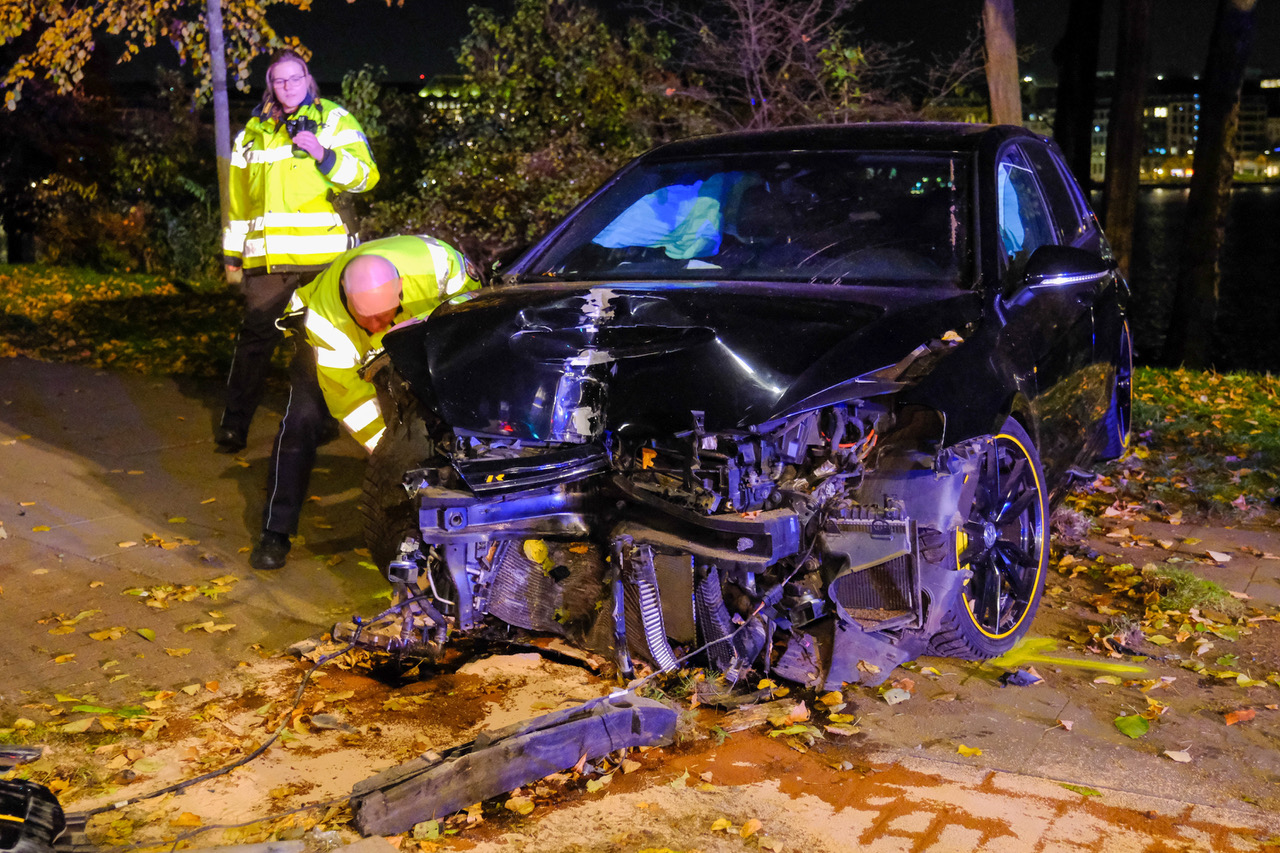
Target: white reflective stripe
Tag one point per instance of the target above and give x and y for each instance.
(341, 353)
(373, 442)
(456, 284)
(295, 303)
(305, 244)
(237, 159)
(285, 219)
(271, 155)
(335, 360)
(350, 136)
(254, 248)
(440, 257)
(233, 237)
(362, 415)
(347, 170)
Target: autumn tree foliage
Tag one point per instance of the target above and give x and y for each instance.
(54, 39)
(552, 102)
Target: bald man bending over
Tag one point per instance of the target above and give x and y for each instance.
(345, 312)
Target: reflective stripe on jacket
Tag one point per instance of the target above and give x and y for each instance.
(282, 214)
(431, 272)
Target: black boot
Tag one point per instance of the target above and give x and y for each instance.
(270, 552)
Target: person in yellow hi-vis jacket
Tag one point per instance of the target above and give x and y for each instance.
(344, 313)
(294, 156)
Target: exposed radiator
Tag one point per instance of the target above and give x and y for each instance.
(714, 624)
(521, 593)
(877, 593)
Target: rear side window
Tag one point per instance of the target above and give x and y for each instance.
(1060, 193)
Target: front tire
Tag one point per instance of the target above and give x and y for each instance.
(1002, 550)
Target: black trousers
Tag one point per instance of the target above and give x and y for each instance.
(306, 424)
(266, 298)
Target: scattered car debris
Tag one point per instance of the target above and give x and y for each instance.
(1021, 678)
(434, 786)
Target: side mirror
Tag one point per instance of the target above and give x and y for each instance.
(1064, 266)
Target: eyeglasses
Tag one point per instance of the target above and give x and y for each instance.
(288, 81)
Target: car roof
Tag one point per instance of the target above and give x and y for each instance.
(903, 136)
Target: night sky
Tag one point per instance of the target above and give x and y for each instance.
(421, 37)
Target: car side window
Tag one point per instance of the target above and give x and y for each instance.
(1024, 220)
(1065, 205)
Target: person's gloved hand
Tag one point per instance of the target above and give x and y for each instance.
(306, 140)
(235, 275)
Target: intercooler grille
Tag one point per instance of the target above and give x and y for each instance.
(877, 593)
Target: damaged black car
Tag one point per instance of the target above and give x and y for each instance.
(794, 402)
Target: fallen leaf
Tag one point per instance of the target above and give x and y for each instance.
(1082, 790)
(40, 528)
(78, 727)
(67, 658)
(147, 634)
(835, 697)
(750, 828)
(1066, 724)
(208, 500)
(968, 750)
(721, 824)
(126, 544)
(1107, 679)
(519, 805)
(1132, 726)
(177, 653)
(1218, 556)
(186, 819)
(896, 695)
(1241, 716)
(1181, 756)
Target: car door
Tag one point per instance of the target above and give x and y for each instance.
(1075, 225)
(1048, 329)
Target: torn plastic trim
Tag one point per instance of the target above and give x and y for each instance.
(498, 475)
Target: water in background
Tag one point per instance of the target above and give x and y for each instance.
(1248, 333)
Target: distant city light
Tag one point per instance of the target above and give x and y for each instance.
(1027, 79)
(1161, 112)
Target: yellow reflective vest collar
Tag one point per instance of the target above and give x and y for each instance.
(431, 272)
(282, 216)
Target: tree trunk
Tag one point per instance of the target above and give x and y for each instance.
(1124, 132)
(1195, 306)
(1076, 56)
(1002, 62)
(221, 108)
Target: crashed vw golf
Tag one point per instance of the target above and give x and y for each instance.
(797, 402)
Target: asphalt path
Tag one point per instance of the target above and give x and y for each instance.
(117, 519)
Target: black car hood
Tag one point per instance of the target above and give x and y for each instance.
(560, 362)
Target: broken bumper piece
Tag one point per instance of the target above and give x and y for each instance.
(496, 762)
